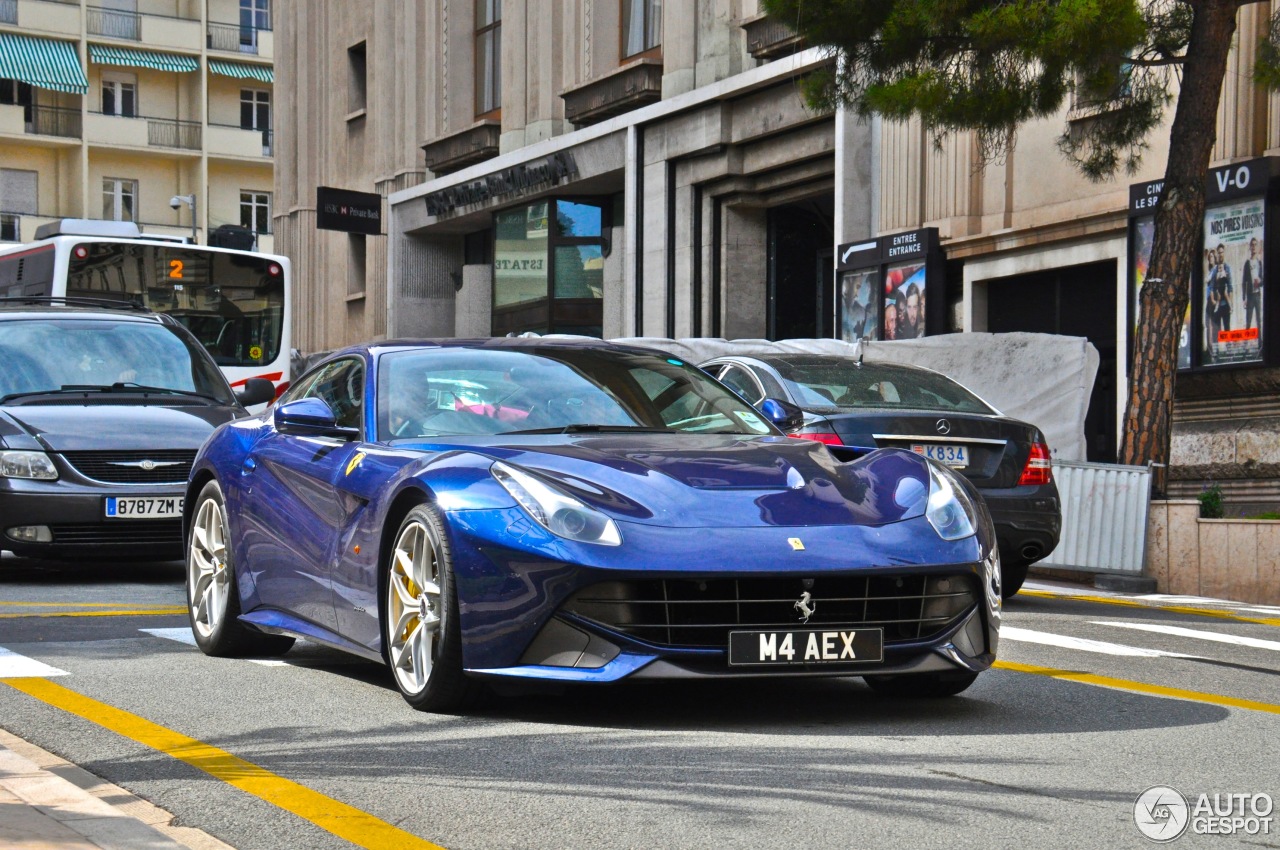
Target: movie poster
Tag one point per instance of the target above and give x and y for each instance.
(1143, 237)
(904, 286)
(859, 306)
(1234, 239)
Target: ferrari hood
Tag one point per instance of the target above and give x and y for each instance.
(118, 427)
(729, 480)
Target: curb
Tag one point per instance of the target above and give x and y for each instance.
(46, 801)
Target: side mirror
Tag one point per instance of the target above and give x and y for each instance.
(256, 391)
(310, 417)
(784, 414)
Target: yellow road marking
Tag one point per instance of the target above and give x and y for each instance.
(137, 612)
(1139, 687)
(1131, 603)
(346, 822)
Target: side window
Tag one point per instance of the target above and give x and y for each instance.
(300, 388)
(341, 386)
(741, 382)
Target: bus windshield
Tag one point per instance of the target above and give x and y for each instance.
(232, 303)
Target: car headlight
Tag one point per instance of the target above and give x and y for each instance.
(556, 511)
(950, 511)
(36, 465)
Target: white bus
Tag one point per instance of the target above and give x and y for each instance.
(237, 303)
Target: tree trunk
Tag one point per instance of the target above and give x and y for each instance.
(1176, 242)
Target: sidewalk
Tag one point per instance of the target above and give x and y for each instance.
(47, 802)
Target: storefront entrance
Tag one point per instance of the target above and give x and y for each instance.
(801, 269)
(1074, 301)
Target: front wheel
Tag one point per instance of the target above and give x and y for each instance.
(420, 617)
(213, 601)
(921, 685)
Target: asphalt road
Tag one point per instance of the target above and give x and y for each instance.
(1050, 751)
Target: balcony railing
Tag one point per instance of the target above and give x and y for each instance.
(233, 37)
(8, 11)
(268, 136)
(113, 23)
(167, 133)
(53, 121)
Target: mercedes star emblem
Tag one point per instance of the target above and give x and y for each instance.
(943, 426)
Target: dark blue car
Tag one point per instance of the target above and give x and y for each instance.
(580, 512)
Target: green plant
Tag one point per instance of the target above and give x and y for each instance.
(1211, 502)
(1266, 515)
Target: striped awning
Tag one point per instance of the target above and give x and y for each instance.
(143, 59)
(42, 62)
(262, 73)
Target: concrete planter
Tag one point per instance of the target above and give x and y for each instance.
(1237, 559)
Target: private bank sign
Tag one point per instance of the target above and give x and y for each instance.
(350, 212)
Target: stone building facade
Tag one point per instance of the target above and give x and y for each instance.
(633, 167)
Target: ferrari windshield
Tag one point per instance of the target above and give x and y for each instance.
(49, 355)
(551, 389)
(840, 382)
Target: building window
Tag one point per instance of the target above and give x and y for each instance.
(641, 26)
(255, 211)
(15, 92)
(18, 191)
(119, 95)
(254, 15)
(548, 268)
(356, 268)
(488, 56)
(10, 227)
(255, 109)
(119, 199)
(357, 78)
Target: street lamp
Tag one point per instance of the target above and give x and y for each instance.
(190, 200)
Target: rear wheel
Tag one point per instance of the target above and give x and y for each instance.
(921, 685)
(213, 600)
(420, 617)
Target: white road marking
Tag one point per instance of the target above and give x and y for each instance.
(1084, 644)
(15, 666)
(1256, 643)
(183, 635)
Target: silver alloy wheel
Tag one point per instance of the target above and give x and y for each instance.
(413, 607)
(208, 576)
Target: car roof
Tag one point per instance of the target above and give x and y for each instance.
(500, 343)
(40, 307)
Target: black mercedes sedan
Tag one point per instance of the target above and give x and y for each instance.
(102, 408)
(846, 402)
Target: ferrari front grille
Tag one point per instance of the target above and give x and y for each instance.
(700, 613)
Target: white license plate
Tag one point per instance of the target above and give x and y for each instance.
(142, 507)
(951, 455)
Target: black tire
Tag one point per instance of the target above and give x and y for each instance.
(438, 684)
(921, 685)
(221, 633)
(1012, 574)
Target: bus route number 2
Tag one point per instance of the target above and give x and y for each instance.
(175, 269)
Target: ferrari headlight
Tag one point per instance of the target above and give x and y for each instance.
(950, 511)
(556, 511)
(36, 465)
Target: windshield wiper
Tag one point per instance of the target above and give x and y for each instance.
(586, 428)
(125, 386)
(120, 386)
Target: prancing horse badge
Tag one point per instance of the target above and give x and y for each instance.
(796, 543)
